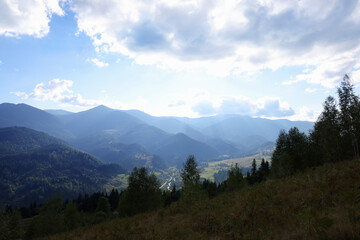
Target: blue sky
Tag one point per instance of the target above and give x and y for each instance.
(274, 59)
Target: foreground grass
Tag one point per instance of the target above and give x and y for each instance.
(321, 203)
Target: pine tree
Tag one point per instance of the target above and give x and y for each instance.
(190, 173)
(114, 199)
(190, 176)
(263, 170)
(325, 137)
(349, 117)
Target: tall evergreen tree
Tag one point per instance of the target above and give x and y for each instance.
(190, 175)
(349, 117)
(263, 170)
(114, 199)
(325, 137)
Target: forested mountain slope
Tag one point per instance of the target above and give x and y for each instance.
(34, 166)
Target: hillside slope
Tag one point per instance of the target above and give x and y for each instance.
(15, 140)
(321, 203)
(34, 166)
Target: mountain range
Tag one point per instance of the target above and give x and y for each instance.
(47, 151)
(133, 138)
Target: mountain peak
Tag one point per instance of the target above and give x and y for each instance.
(100, 108)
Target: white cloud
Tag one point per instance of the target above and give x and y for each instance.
(305, 114)
(198, 103)
(311, 90)
(229, 37)
(99, 63)
(28, 17)
(58, 91)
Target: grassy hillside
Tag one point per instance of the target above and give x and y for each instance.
(320, 203)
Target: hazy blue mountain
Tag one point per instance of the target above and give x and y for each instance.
(99, 119)
(224, 135)
(168, 124)
(23, 115)
(58, 112)
(34, 166)
(110, 150)
(252, 141)
(176, 148)
(238, 128)
(226, 148)
(203, 122)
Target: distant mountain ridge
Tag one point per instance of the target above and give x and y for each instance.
(22, 115)
(216, 137)
(39, 153)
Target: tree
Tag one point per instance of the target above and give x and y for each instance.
(349, 118)
(263, 171)
(325, 137)
(114, 199)
(50, 219)
(102, 209)
(235, 180)
(190, 176)
(71, 216)
(10, 224)
(175, 194)
(103, 205)
(291, 153)
(143, 193)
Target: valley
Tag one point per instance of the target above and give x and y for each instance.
(128, 139)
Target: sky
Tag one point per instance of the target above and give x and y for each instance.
(193, 58)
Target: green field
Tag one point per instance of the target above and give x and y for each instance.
(210, 168)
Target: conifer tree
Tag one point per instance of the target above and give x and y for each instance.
(190, 175)
(235, 178)
(349, 118)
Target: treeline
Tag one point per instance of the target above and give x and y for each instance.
(335, 136)
(143, 194)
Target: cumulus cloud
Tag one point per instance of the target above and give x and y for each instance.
(30, 17)
(231, 36)
(305, 114)
(99, 63)
(273, 107)
(267, 107)
(58, 91)
(201, 103)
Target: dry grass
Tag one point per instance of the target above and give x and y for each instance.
(321, 203)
